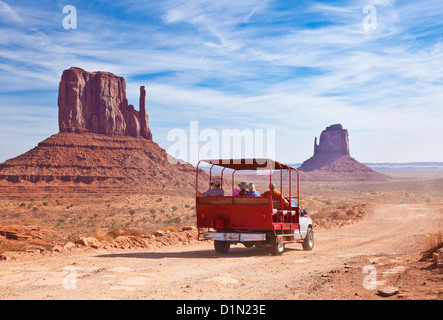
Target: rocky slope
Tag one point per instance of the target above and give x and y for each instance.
(87, 158)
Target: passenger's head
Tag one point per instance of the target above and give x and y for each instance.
(217, 184)
(251, 187)
(272, 186)
(243, 185)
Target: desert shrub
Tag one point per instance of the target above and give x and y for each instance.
(350, 212)
(173, 220)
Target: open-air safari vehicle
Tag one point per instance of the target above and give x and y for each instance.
(261, 221)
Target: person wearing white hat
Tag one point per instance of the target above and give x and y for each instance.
(252, 192)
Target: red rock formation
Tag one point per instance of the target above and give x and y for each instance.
(104, 146)
(333, 140)
(96, 102)
(332, 160)
(143, 116)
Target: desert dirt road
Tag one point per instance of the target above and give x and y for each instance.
(390, 237)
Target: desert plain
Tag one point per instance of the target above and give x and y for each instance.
(373, 240)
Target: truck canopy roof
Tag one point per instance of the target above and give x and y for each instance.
(249, 164)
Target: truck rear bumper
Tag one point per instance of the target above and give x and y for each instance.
(234, 236)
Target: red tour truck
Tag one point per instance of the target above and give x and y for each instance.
(261, 221)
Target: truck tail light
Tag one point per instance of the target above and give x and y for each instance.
(264, 216)
(202, 215)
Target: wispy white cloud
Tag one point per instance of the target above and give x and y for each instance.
(7, 13)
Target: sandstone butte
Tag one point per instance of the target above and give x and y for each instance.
(104, 145)
(96, 102)
(332, 160)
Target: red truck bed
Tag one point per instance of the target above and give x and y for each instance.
(244, 213)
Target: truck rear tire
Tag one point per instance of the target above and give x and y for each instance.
(277, 247)
(308, 242)
(221, 246)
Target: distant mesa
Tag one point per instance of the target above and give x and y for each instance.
(332, 160)
(104, 145)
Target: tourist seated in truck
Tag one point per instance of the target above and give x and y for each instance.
(214, 190)
(243, 189)
(252, 192)
(274, 193)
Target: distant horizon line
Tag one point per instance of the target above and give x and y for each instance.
(426, 164)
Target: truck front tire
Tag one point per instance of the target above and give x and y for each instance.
(308, 242)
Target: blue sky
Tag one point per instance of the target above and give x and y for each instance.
(292, 66)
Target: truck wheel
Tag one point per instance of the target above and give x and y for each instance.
(221, 246)
(308, 242)
(277, 247)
